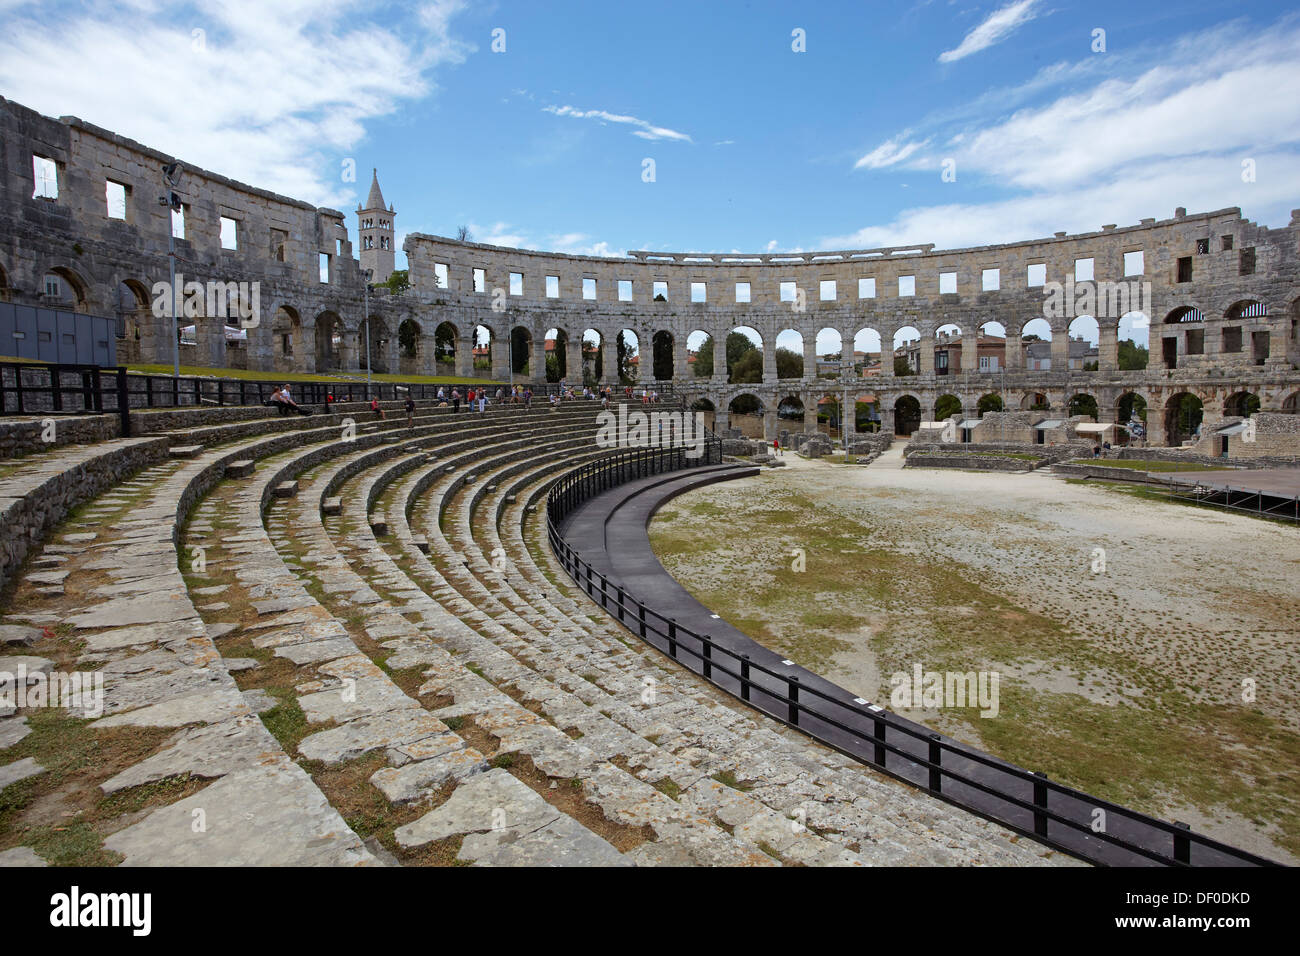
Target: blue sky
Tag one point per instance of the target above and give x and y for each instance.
(756, 147)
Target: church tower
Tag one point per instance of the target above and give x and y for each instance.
(375, 233)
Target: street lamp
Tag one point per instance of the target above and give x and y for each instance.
(172, 173)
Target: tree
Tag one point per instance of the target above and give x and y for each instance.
(625, 354)
(1132, 357)
(789, 364)
(561, 355)
(704, 358)
(1082, 404)
(738, 343)
(463, 234)
(901, 366)
(444, 342)
(748, 368)
(663, 356)
(946, 406)
(519, 348)
(408, 337)
(598, 363)
(398, 282)
(989, 403)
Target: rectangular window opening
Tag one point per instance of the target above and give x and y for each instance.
(229, 233)
(324, 267)
(991, 280)
(1083, 270)
(516, 283)
(866, 288)
(906, 286)
(45, 177)
(440, 275)
(1134, 263)
(787, 291)
(947, 283)
(1036, 275)
(742, 292)
(588, 288)
(480, 280)
(115, 194)
(660, 292)
(827, 290)
(552, 287)
(625, 290)
(699, 292)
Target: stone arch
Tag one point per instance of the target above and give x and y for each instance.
(329, 342)
(1035, 402)
(947, 344)
(1183, 414)
(521, 358)
(828, 342)
(447, 349)
(73, 291)
(746, 370)
(1184, 314)
(1291, 404)
(907, 346)
(989, 402)
(946, 405)
(662, 358)
(790, 407)
(135, 321)
(1083, 403)
(593, 356)
(411, 347)
(1246, 309)
(483, 339)
(1134, 327)
(991, 344)
(907, 415)
(1084, 328)
(791, 340)
(868, 341)
(1130, 405)
(1037, 351)
(1242, 404)
(287, 351)
(628, 353)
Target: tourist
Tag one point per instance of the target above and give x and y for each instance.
(410, 411)
(442, 394)
(455, 400)
(482, 401)
(374, 407)
(777, 450)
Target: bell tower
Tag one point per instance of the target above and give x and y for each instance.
(375, 233)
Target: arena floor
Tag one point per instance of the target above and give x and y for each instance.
(1147, 650)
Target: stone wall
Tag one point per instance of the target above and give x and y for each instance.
(27, 435)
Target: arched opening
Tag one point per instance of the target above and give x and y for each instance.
(947, 349)
(744, 356)
(829, 346)
(789, 354)
(63, 289)
(521, 351)
(134, 318)
(482, 351)
(1183, 413)
(699, 354)
(745, 412)
(707, 408)
(287, 342)
(1036, 340)
(1035, 402)
(593, 359)
(1241, 404)
(790, 408)
(1133, 346)
(329, 341)
(866, 352)
(991, 347)
(1084, 338)
(990, 402)
(410, 347)
(1246, 309)
(555, 347)
(1131, 410)
(907, 353)
(662, 348)
(446, 340)
(945, 406)
(1291, 404)
(1083, 404)
(907, 415)
(628, 353)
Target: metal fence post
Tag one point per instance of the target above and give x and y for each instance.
(936, 775)
(707, 658)
(672, 638)
(1040, 800)
(1182, 842)
(880, 740)
(794, 700)
(123, 402)
(744, 677)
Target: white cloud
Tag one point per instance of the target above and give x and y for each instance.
(276, 95)
(643, 129)
(1000, 24)
(890, 152)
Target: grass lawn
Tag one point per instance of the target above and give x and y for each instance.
(1139, 465)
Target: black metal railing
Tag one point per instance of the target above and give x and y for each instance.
(31, 388)
(959, 774)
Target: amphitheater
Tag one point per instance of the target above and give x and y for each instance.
(344, 640)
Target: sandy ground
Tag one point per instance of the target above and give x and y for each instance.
(1159, 602)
